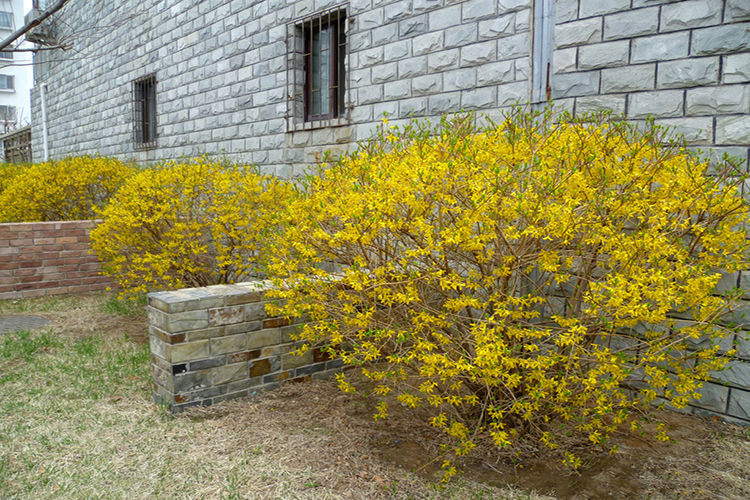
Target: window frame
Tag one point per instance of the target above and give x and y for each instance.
(301, 74)
(6, 55)
(10, 82)
(4, 14)
(145, 123)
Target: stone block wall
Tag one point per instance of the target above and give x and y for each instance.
(217, 343)
(684, 63)
(48, 258)
(222, 67)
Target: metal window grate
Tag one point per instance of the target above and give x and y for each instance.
(317, 70)
(144, 112)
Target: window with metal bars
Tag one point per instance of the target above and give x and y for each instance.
(317, 79)
(144, 112)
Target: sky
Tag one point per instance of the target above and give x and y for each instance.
(26, 6)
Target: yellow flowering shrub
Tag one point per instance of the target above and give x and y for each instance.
(68, 189)
(517, 276)
(8, 171)
(186, 224)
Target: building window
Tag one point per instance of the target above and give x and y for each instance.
(544, 26)
(144, 112)
(318, 71)
(7, 82)
(6, 20)
(7, 114)
(4, 54)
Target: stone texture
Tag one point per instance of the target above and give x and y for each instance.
(180, 353)
(565, 60)
(628, 79)
(495, 73)
(733, 130)
(604, 55)
(691, 14)
(660, 47)
(737, 10)
(631, 24)
(721, 39)
(589, 8)
(578, 32)
(718, 100)
(737, 68)
(713, 397)
(575, 84)
(665, 103)
(688, 72)
(694, 130)
(614, 103)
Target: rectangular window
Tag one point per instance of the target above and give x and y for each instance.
(6, 55)
(7, 114)
(544, 26)
(144, 112)
(317, 71)
(7, 82)
(6, 20)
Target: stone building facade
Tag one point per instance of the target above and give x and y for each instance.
(161, 79)
(224, 80)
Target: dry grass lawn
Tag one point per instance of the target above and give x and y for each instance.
(77, 422)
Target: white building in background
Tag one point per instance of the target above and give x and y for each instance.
(15, 71)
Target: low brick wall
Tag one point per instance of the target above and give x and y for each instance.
(48, 258)
(217, 343)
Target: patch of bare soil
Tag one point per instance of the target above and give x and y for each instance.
(706, 459)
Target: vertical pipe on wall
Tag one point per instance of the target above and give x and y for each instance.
(42, 93)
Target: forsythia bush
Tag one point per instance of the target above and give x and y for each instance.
(518, 276)
(8, 171)
(187, 224)
(68, 189)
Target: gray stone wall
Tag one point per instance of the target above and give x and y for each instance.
(221, 68)
(685, 63)
(217, 343)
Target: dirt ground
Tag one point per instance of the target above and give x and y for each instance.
(346, 449)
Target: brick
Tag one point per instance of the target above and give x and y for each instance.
(260, 367)
(565, 60)
(192, 381)
(721, 39)
(292, 360)
(495, 73)
(480, 98)
(718, 100)
(478, 54)
(229, 373)
(713, 397)
(692, 14)
(461, 35)
(512, 93)
(660, 47)
(263, 338)
(205, 364)
(477, 9)
(733, 130)
(696, 130)
(427, 43)
(513, 5)
(575, 84)
(736, 10)
(688, 72)
(228, 344)
(578, 33)
(661, 104)
(180, 353)
(589, 8)
(737, 68)
(226, 315)
(442, 61)
(497, 27)
(513, 47)
(739, 404)
(630, 24)
(628, 79)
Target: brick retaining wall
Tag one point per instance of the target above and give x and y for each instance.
(48, 258)
(217, 343)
